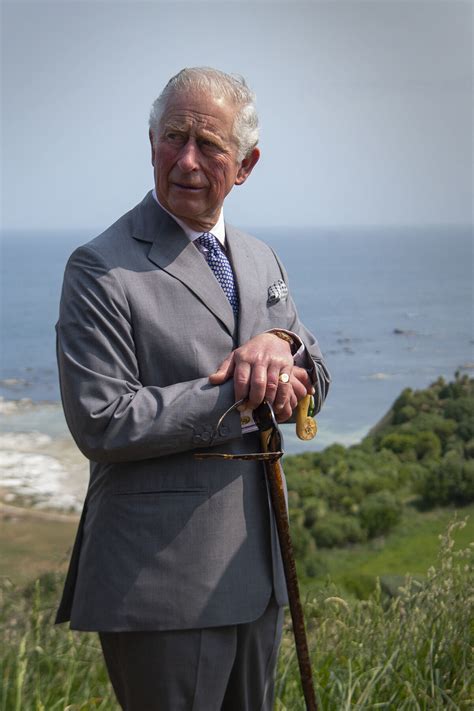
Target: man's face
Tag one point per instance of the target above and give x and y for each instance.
(194, 156)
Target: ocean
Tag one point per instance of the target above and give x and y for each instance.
(391, 308)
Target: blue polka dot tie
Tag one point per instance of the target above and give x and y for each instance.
(220, 265)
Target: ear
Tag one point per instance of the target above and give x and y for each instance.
(247, 166)
(150, 136)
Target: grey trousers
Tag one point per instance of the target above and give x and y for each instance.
(214, 669)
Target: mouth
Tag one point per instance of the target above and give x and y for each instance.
(190, 188)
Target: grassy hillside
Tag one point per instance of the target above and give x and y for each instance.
(408, 652)
(410, 549)
(401, 502)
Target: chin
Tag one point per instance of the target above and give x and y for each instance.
(185, 210)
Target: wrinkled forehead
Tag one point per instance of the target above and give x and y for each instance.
(197, 96)
(200, 108)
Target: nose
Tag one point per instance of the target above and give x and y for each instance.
(188, 159)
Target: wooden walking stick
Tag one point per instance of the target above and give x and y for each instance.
(271, 441)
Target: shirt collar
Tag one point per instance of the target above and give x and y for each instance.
(218, 230)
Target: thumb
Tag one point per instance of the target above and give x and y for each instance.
(224, 371)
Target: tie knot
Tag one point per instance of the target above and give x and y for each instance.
(208, 241)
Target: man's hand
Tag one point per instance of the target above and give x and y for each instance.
(256, 367)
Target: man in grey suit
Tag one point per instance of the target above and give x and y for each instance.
(166, 319)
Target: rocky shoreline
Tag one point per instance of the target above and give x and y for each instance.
(38, 470)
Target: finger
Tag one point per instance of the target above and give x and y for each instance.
(293, 402)
(242, 374)
(299, 389)
(258, 385)
(272, 383)
(282, 398)
(284, 414)
(286, 408)
(224, 371)
(302, 375)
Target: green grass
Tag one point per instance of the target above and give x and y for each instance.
(411, 652)
(43, 667)
(411, 548)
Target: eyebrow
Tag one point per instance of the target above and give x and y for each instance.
(201, 132)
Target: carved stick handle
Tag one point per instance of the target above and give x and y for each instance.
(306, 427)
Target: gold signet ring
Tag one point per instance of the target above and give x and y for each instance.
(284, 378)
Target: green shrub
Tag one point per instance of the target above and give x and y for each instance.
(405, 414)
(460, 409)
(361, 586)
(404, 445)
(303, 544)
(405, 399)
(345, 495)
(469, 449)
(412, 474)
(434, 422)
(337, 529)
(428, 445)
(314, 508)
(450, 482)
(379, 512)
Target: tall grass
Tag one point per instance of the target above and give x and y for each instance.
(413, 651)
(408, 652)
(43, 667)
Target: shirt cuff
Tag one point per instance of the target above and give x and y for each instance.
(247, 422)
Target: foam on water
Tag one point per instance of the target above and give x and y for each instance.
(41, 471)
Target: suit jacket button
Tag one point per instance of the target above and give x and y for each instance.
(224, 430)
(206, 436)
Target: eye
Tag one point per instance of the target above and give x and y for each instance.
(208, 146)
(174, 137)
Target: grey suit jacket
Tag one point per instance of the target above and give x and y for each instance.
(166, 541)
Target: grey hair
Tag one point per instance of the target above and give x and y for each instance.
(231, 86)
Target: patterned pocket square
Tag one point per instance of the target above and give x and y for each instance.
(278, 291)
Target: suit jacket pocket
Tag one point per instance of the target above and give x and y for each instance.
(164, 492)
(144, 523)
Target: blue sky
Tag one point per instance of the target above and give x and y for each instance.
(366, 107)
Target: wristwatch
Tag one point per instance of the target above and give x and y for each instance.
(289, 339)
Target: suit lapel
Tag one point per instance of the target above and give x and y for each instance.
(246, 275)
(174, 253)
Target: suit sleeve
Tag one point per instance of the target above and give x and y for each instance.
(312, 356)
(110, 414)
